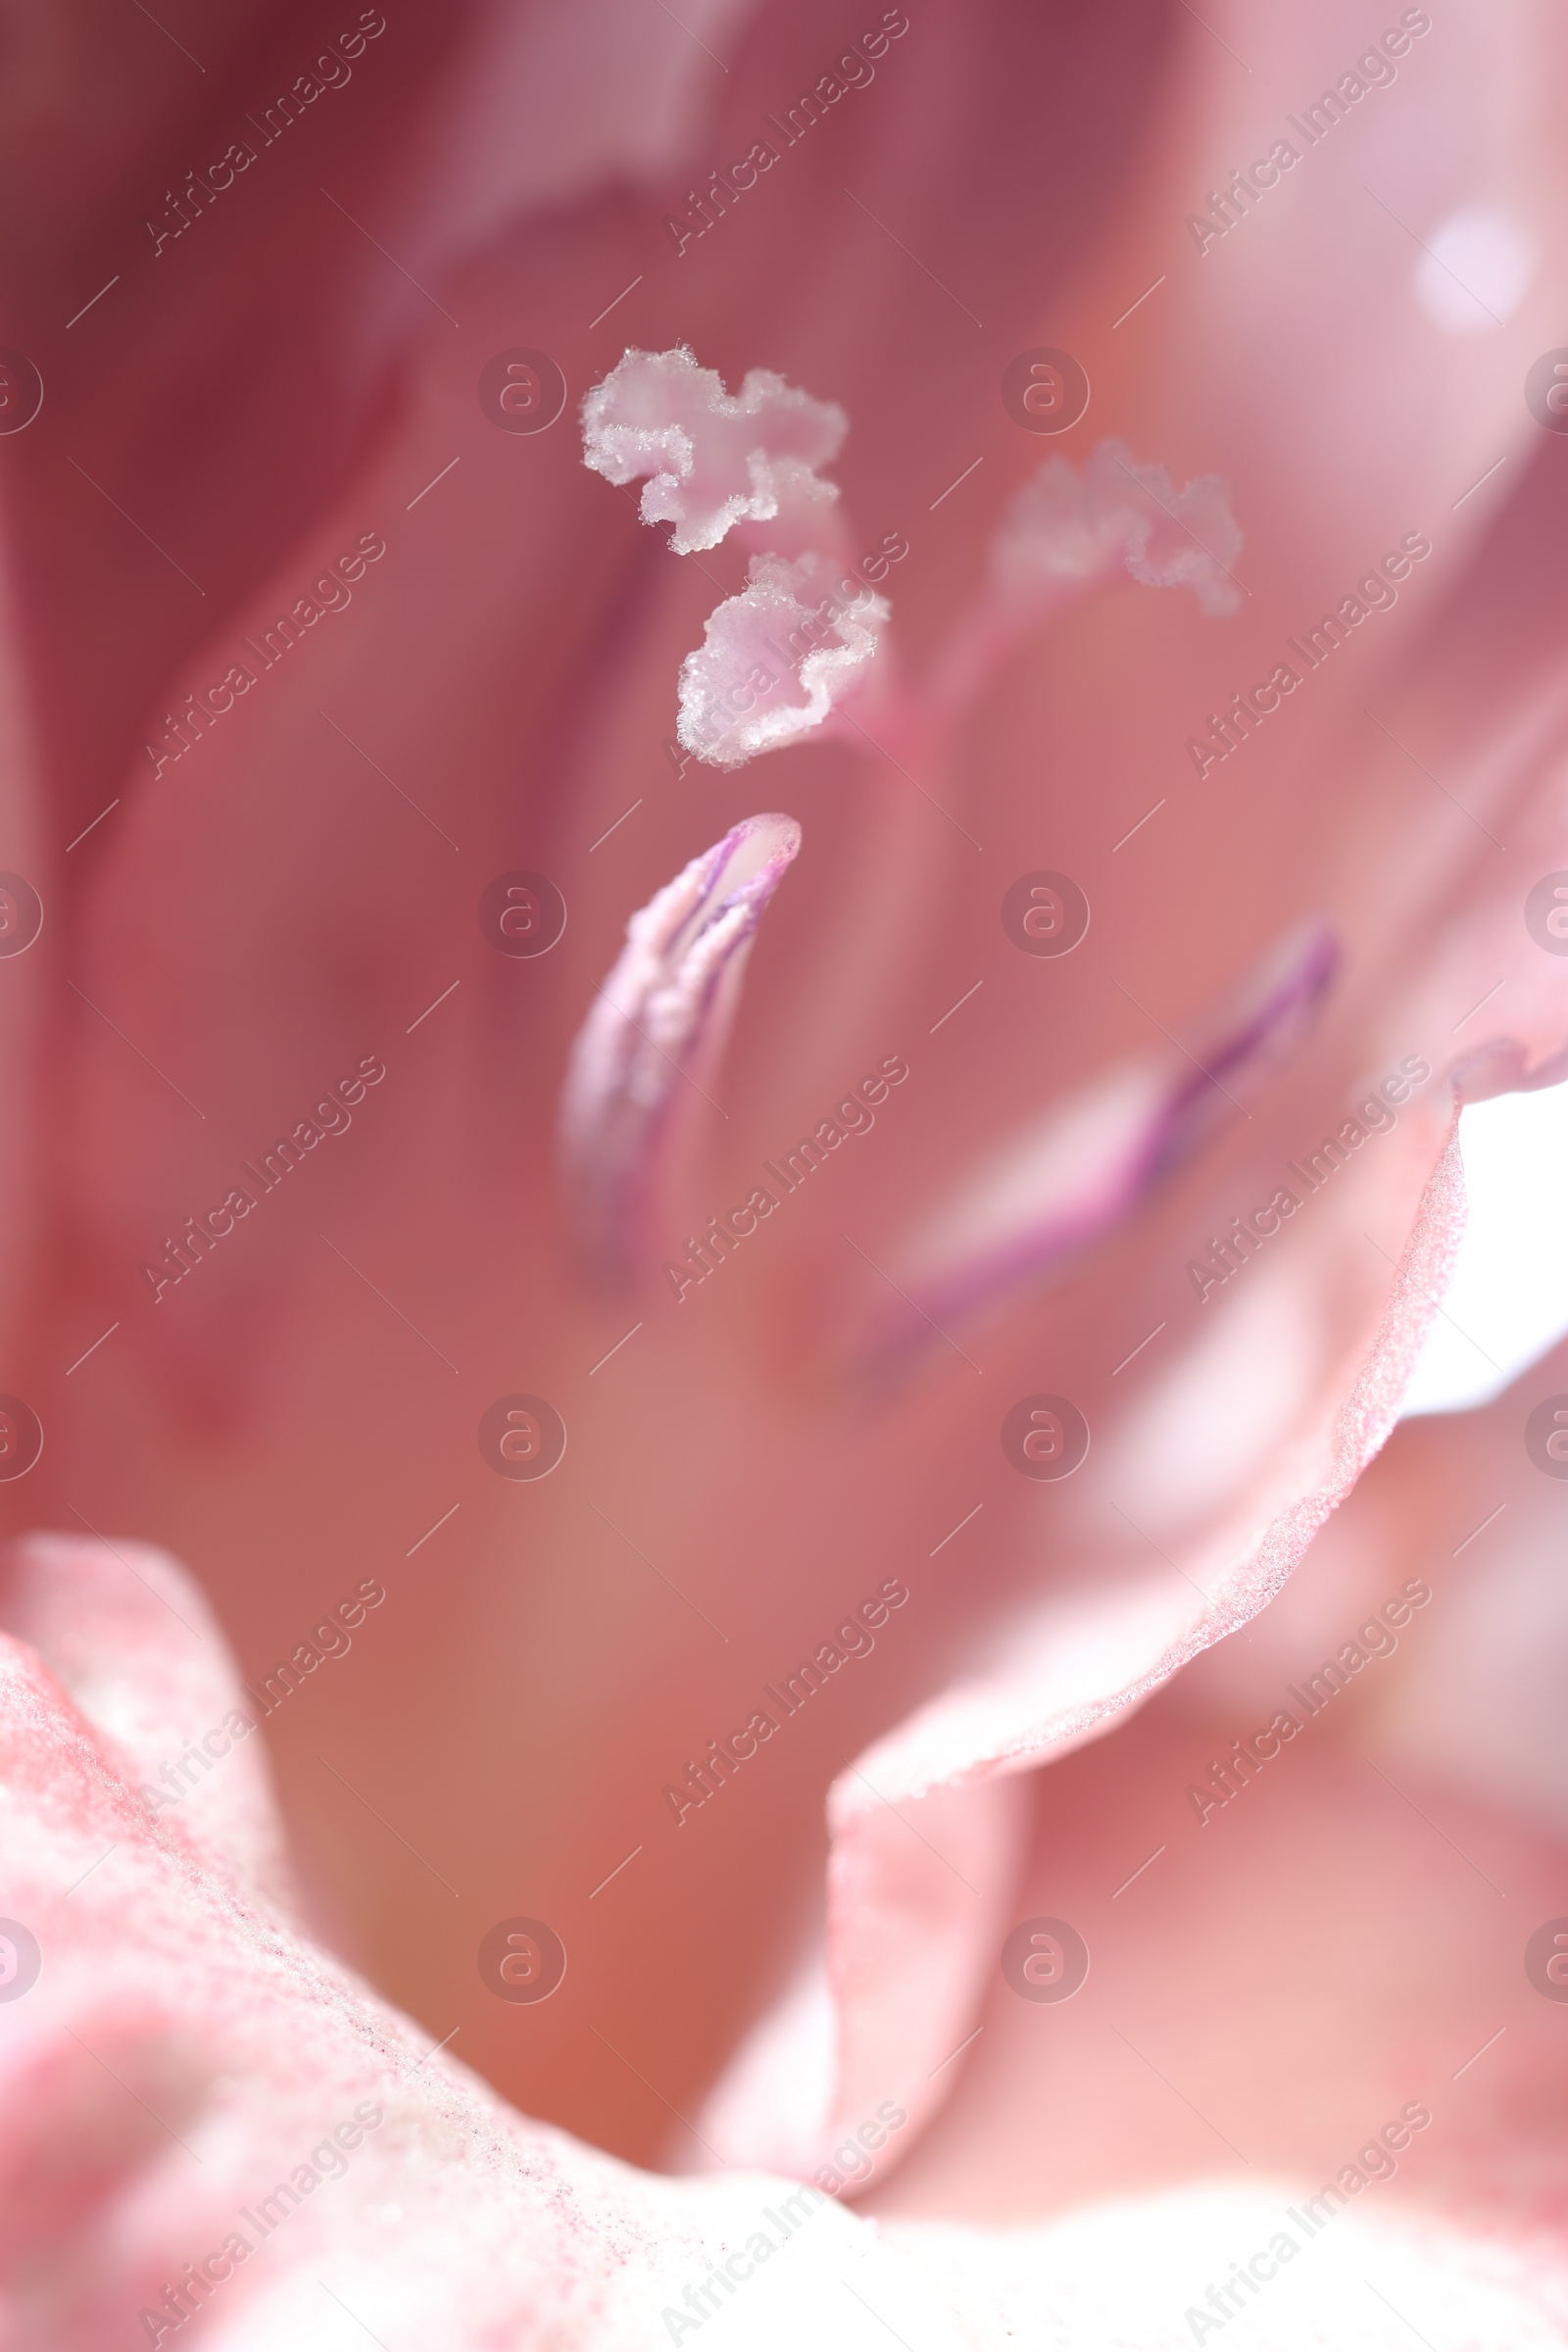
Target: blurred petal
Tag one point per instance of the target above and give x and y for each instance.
(183, 2082)
(134, 1644)
(907, 1955)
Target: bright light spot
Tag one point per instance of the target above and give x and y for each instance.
(1474, 272)
(1509, 1301)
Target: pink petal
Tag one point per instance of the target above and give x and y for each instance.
(139, 1651)
(908, 1955)
(179, 2056)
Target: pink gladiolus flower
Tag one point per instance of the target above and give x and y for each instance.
(816, 1692)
